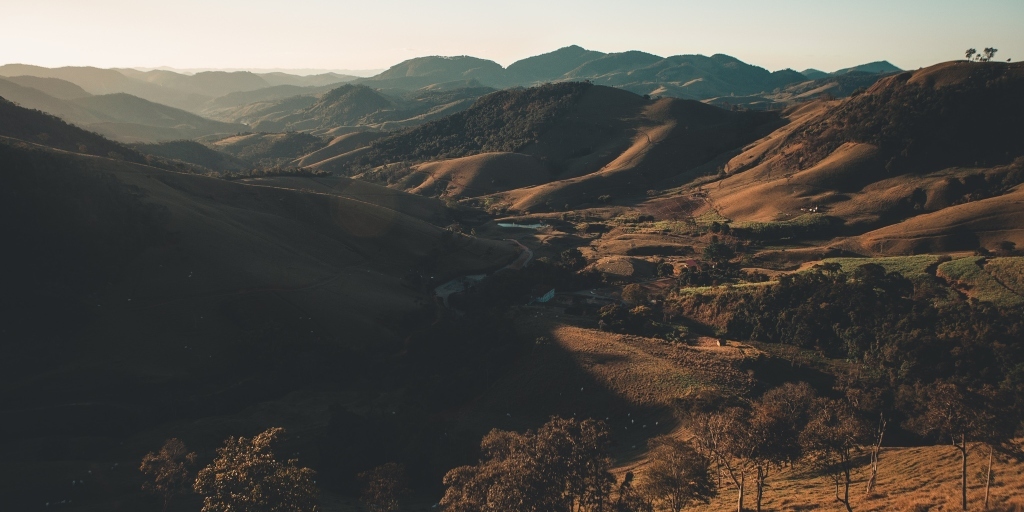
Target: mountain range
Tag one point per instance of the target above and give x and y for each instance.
(161, 289)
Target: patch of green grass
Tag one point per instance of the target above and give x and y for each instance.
(1008, 271)
(708, 217)
(911, 267)
(970, 276)
(807, 225)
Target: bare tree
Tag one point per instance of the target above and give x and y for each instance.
(169, 471)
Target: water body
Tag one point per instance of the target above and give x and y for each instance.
(539, 225)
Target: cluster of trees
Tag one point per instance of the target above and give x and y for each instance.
(986, 55)
(787, 424)
(564, 466)
(246, 475)
(947, 373)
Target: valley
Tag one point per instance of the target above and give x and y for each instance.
(653, 242)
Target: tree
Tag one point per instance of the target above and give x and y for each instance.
(990, 53)
(830, 440)
(563, 466)
(724, 438)
(634, 294)
(572, 259)
(774, 426)
(970, 53)
(955, 414)
(678, 474)
(247, 477)
(630, 499)
(168, 471)
(382, 486)
(717, 252)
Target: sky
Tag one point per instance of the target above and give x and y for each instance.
(376, 34)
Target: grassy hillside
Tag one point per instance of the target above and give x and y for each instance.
(124, 110)
(269, 149)
(194, 153)
(40, 128)
(924, 161)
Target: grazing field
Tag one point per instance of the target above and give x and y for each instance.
(973, 277)
(912, 267)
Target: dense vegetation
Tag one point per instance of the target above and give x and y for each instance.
(503, 121)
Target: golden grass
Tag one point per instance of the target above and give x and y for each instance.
(909, 479)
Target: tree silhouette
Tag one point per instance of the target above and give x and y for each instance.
(246, 476)
(970, 53)
(990, 53)
(169, 471)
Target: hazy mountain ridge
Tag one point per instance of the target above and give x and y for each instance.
(685, 76)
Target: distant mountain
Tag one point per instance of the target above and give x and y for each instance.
(551, 66)
(40, 128)
(425, 71)
(813, 74)
(110, 81)
(272, 93)
(604, 65)
(60, 89)
(355, 106)
(881, 66)
(306, 81)
(133, 119)
(207, 83)
(29, 97)
(684, 76)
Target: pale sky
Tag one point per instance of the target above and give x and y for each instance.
(365, 34)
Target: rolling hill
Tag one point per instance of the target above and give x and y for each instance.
(589, 141)
(60, 89)
(131, 119)
(174, 293)
(193, 153)
(552, 66)
(931, 157)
